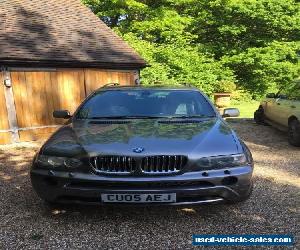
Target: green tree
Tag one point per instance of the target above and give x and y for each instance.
(266, 69)
(257, 39)
(171, 63)
(253, 43)
(231, 26)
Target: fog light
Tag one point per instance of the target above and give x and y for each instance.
(231, 180)
(51, 181)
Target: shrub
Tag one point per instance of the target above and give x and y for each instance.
(240, 96)
(224, 86)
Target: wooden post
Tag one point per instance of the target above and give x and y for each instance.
(136, 77)
(10, 105)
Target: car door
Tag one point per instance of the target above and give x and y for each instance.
(295, 101)
(279, 110)
(284, 109)
(270, 107)
(289, 105)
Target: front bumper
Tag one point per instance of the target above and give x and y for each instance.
(213, 186)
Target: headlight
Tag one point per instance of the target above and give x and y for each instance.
(57, 162)
(219, 162)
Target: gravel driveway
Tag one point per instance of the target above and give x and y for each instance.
(26, 222)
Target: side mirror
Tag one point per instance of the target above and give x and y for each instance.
(231, 112)
(64, 114)
(271, 95)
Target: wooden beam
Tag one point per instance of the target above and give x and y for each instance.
(136, 77)
(10, 105)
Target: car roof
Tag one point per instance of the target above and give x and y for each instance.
(152, 86)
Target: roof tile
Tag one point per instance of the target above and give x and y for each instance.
(59, 32)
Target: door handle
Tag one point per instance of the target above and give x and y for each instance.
(293, 107)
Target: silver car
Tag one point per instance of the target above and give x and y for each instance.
(144, 145)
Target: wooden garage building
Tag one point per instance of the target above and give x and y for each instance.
(53, 53)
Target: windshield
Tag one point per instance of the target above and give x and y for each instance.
(145, 104)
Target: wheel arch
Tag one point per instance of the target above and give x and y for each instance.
(292, 118)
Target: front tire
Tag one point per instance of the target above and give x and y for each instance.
(294, 133)
(259, 116)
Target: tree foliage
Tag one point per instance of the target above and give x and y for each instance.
(252, 43)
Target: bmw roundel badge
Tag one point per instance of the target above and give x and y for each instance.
(138, 150)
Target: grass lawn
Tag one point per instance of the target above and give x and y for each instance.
(246, 108)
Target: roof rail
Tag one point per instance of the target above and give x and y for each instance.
(110, 84)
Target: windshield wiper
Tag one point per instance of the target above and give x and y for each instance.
(149, 117)
(126, 117)
(192, 116)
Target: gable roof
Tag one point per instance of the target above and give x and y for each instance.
(61, 34)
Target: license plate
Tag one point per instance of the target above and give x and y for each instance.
(138, 198)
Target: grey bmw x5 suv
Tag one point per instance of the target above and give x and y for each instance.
(145, 145)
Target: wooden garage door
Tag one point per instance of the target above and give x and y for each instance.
(37, 94)
(95, 78)
(5, 137)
